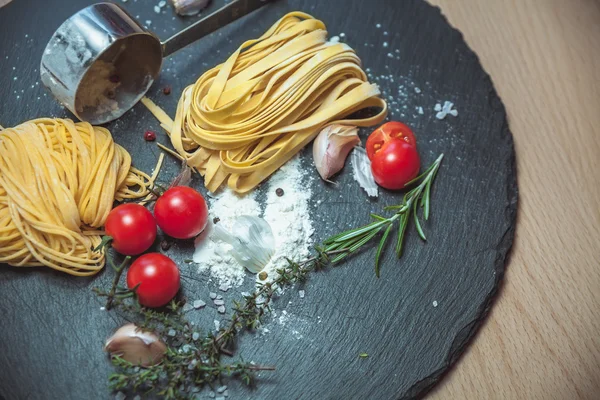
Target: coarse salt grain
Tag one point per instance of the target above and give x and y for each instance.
(199, 304)
(446, 109)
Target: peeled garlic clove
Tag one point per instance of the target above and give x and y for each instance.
(189, 7)
(331, 147)
(136, 346)
(252, 241)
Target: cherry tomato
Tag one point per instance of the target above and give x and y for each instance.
(395, 161)
(181, 212)
(158, 279)
(386, 132)
(132, 229)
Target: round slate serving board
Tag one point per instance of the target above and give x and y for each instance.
(51, 324)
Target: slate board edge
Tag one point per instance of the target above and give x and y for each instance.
(468, 332)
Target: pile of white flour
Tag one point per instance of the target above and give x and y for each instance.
(288, 215)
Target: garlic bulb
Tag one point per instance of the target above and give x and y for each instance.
(331, 147)
(189, 7)
(361, 169)
(252, 241)
(136, 346)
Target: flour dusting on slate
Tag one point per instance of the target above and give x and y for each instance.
(286, 211)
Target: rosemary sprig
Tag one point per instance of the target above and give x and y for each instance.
(194, 360)
(418, 197)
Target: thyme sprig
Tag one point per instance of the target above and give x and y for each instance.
(194, 360)
(116, 291)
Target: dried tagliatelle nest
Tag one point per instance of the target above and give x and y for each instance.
(245, 118)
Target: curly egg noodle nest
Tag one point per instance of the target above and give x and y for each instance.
(58, 182)
(245, 118)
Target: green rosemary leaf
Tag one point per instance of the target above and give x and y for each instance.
(336, 238)
(426, 196)
(339, 246)
(363, 355)
(360, 231)
(380, 248)
(363, 241)
(378, 217)
(417, 223)
(419, 177)
(401, 231)
(355, 244)
(392, 208)
(339, 257)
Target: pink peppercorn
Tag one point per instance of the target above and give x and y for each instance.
(149, 136)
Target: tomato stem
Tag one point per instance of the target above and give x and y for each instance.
(118, 273)
(106, 240)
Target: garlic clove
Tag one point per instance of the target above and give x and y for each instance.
(331, 148)
(189, 7)
(252, 241)
(136, 346)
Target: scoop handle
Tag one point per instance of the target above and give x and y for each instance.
(209, 24)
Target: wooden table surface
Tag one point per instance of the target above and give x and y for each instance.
(542, 339)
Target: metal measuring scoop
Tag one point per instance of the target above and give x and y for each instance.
(101, 61)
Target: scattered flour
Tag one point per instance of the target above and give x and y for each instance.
(288, 215)
(215, 256)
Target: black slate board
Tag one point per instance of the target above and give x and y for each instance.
(51, 325)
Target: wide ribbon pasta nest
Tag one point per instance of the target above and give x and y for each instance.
(245, 118)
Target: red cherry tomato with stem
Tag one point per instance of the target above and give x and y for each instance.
(158, 279)
(132, 229)
(181, 212)
(395, 161)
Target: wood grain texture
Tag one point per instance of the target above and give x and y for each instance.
(542, 339)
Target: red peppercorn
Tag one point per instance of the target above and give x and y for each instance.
(167, 90)
(149, 136)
